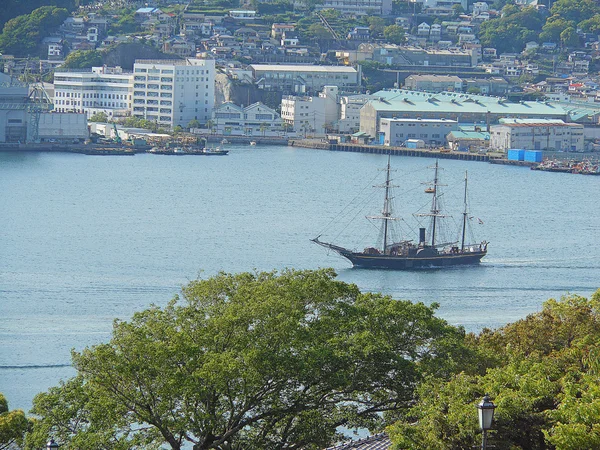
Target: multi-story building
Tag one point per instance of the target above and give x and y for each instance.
(395, 132)
(359, 7)
(297, 78)
(257, 119)
(536, 134)
(350, 105)
(311, 115)
(174, 92)
(103, 89)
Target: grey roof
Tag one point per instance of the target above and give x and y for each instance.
(451, 102)
(302, 68)
(379, 441)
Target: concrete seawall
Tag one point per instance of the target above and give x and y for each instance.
(384, 150)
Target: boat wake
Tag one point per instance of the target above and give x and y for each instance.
(35, 366)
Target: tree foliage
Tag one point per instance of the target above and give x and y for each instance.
(23, 35)
(543, 375)
(101, 117)
(254, 360)
(553, 27)
(318, 31)
(13, 8)
(510, 32)
(575, 10)
(13, 426)
(394, 34)
(83, 59)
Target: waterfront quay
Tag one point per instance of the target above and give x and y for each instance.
(386, 150)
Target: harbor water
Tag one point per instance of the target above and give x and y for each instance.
(87, 239)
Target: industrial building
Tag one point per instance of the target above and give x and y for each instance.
(103, 89)
(395, 132)
(536, 134)
(26, 116)
(14, 112)
(174, 92)
(297, 78)
(464, 108)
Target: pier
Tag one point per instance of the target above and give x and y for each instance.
(385, 150)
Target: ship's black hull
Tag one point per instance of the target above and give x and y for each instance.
(408, 263)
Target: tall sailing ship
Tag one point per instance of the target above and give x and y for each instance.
(428, 252)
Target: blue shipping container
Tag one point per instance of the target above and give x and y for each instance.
(516, 155)
(533, 155)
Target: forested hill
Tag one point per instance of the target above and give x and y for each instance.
(14, 8)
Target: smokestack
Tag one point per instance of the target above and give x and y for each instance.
(421, 236)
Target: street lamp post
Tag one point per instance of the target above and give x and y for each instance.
(51, 445)
(486, 415)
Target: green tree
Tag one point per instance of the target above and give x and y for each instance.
(194, 123)
(13, 426)
(99, 117)
(457, 10)
(318, 32)
(543, 373)
(376, 25)
(394, 34)
(255, 361)
(23, 35)
(510, 32)
(575, 10)
(591, 25)
(83, 59)
(125, 24)
(553, 27)
(569, 38)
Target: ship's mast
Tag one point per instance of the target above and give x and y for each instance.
(465, 212)
(435, 211)
(386, 213)
(434, 204)
(386, 206)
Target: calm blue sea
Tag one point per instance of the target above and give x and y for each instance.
(87, 239)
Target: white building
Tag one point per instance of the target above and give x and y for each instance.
(537, 134)
(395, 132)
(301, 78)
(174, 92)
(350, 105)
(359, 7)
(104, 89)
(311, 115)
(257, 119)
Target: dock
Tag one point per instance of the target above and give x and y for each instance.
(385, 150)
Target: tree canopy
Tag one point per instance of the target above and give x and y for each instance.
(13, 425)
(543, 375)
(13, 8)
(83, 59)
(23, 35)
(394, 34)
(253, 360)
(513, 30)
